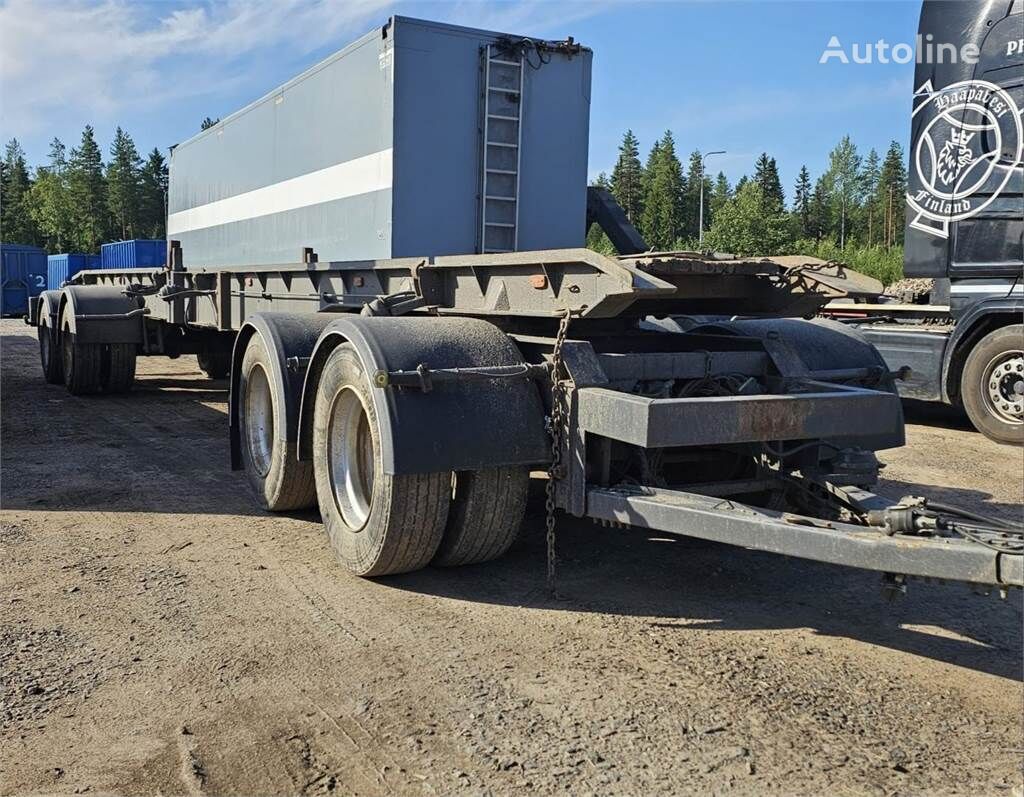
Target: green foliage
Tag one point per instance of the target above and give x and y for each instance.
(766, 175)
(16, 223)
(207, 123)
(662, 218)
(750, 224)
(627, 181)
(124, 185)
(87, 192)
(802, 195)
(887, 202)
(153, 179)
(844, 185)
(885, 265)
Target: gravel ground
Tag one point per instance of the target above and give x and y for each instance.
(159, 634)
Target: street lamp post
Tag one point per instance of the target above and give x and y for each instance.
(700, 220)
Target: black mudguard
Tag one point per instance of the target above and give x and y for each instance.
(100, 314)
(457, 425)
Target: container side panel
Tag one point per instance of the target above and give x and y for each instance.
(136, 253)
(438, 116)
(22, 275)
(308, 165)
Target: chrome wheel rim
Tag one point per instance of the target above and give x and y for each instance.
(259, 419)
(1004, 386)
(350, 459)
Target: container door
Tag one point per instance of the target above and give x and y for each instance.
(15, 297)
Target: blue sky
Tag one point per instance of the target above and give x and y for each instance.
(738, 76)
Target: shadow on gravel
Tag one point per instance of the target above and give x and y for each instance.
(931, 413)
(689, 584)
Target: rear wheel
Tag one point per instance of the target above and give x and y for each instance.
(82, 364)
(50, 356)
(487, 509)
(215, 365)
(278, 479)
(378, 523)
(992, 385)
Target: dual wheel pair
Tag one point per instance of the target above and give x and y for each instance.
(85, 368)
(378, 523)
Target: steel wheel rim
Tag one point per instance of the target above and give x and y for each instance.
(350, 458)
(1004, 387)
(259, 419)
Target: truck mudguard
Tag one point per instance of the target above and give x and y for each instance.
(461, 425)
(1010, 307)
(101, 314)
(291, 337)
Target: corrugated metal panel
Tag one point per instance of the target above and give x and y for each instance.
(22, 274)
(376, 152)
(61, 268)
(136, 253)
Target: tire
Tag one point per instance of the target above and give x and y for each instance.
(992, 385)
(278, 479)
(50, 356)
(487, 511)
(378, 523)
(82, 364)
(215, 365)
(119, 367)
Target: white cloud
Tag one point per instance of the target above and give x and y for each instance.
(92, 59)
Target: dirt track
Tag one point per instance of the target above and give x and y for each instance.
(160, 635)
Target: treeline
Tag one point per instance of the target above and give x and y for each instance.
(852, 212)
(76, 201)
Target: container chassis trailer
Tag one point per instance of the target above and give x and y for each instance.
(410, 399)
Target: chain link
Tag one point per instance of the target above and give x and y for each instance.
(556, 470)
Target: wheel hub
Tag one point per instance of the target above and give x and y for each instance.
(259, 419)
(1004, 386)
(350, 458)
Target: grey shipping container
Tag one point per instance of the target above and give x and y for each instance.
(418, 139)
(22, 274)
(61, 268)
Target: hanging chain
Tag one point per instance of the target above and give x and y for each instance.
(557, 470)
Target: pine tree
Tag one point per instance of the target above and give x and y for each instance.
(691, 203)
(153, 196)
(49, 203)
(207, 123)
(766, 175)
(87, 190)
(16, 225)
(628, 178)
(740, 183)
(720, 194)
(123, 184)
(802, 204)
(820, 217)
(597, 240)
(867, 222)
(843, 180)
(888, 199)
(663, 199)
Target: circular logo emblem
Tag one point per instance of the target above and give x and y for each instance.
(970, 142)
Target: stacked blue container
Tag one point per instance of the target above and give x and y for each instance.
(61, 268)
(137, 253)
(22, 275)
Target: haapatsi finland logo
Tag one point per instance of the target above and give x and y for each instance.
(970, 142)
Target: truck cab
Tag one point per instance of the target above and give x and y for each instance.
(964, 340)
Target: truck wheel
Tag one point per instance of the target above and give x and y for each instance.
(377, 523)
(50, 356)
(487, 509)
(216, 365)
(82, 364)
(120, 371)
(279, 480)
(992, 385)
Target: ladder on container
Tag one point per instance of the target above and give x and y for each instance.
(502, 146)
